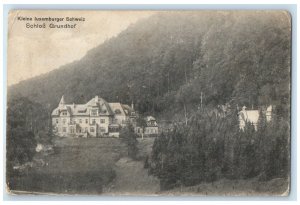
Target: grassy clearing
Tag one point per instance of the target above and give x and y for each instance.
(82, 166)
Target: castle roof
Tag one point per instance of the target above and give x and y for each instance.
(62, 101)
(117, 108)
(127, 109)
(150, 118)
(104, 107)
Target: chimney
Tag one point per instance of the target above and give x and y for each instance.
(96, 99)
(132, 105)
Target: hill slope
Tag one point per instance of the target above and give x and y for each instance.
(168, 59)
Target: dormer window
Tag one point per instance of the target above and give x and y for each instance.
(118, 111)
(64, 113)
(94, 112)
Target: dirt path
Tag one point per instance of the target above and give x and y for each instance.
(132, 179)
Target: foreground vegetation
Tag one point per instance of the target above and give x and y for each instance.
(211, 148)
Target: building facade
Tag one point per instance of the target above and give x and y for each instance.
(96, 118)
(149, 129)
(252, 116)
(152, 126)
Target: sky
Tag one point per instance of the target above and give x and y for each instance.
(34, 51)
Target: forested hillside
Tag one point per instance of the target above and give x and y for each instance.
(166, 61)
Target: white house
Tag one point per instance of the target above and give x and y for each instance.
(252, 116)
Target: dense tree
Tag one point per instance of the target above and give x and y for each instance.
(211, 147)
(26, 121)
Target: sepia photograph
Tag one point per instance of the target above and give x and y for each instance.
(149, 102)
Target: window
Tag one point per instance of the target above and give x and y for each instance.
(56, 121)
(93, 121)
(72, 130)
(86, 129)
(102, 129)
(102, 121)
(94, 112)
(64, 129)
(80, 121)
(64, 113)
(86, 121)
(92, 129)
(118, 111)
(64, 121)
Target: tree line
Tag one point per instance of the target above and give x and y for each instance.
(27, 124)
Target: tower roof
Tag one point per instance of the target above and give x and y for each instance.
(62, 101)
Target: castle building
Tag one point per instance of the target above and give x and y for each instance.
(96, 118)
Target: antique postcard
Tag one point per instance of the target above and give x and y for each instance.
(149, 102)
